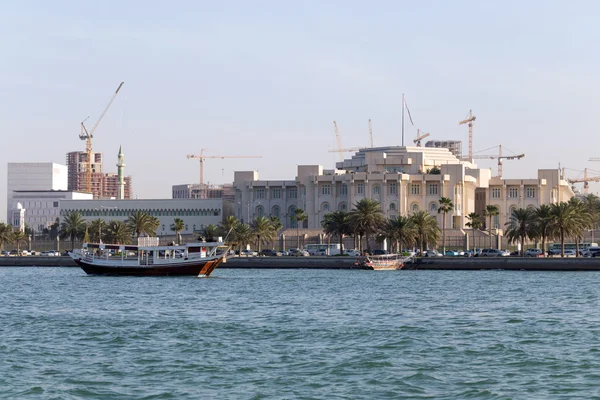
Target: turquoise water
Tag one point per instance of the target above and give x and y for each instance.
(300, 334)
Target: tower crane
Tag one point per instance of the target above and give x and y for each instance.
(338, 140)
(586, 179)
(370, 133)
(499, 157)
(469, 120)
(201, 159)
(88, 136)
(417, 141)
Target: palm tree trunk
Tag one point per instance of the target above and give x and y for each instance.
(562, 243)
(368, 244)
(341, 244)
(473, 244)
(522, 246)
(444, 234)
(577, 247)
(297, 235)
(490, 231)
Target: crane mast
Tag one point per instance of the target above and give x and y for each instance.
(87, 136)
(469, 120)
(499, 157)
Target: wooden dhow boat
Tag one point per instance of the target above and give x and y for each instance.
(383, 262)
(199, 259)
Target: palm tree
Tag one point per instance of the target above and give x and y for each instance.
(592, 204)
(19, 238)
(543, 223)
(73, 227)
(119, 232)
(209, 232)
(95, 230)
(490, 211)
(6, 234)
(276, 222)
(427, 228)
(565, 222)
(585, 221)
(474, 223)
(264, 231)
(445, 207)
(298, 216)
(402, 230)
(178, 225)
(243, 235)
(142, 223)
(337, 223)
(367, 217)
(521, 227)
(227, 229)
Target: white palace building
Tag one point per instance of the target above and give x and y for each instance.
(400, 179)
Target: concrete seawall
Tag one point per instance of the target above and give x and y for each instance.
(458, 263)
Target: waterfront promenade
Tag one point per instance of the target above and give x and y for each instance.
(441, 263)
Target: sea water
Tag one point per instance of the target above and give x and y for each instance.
(300, 334)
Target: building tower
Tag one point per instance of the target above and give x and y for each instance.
(121, 175)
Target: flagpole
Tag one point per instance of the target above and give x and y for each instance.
(403, 105)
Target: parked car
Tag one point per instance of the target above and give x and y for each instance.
(248, 253)
(298, 253)
(570, 253)
(533, 253)
(271, 253)
(432, 253)
(15, 253)
(379, 252)
(3, 253)
(410, 253)
(493, 253)
(455, 253)
(472, 253)
(352, 252)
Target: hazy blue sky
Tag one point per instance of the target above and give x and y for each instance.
(269, 77)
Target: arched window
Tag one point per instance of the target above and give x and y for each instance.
(392, 206)
(275, 212)
(325, 207)
(433, 207)
(342, 207)
(260, 211)
(376, 190)
(414, 207)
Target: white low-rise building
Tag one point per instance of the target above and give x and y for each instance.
(195, 213)
(33, 176)
(42, 207)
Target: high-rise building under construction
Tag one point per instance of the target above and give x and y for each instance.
(102, 185)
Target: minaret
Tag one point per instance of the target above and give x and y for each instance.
(121, 175)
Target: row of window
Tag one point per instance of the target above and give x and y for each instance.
(154, 213)
(513, 193)
(292, 193)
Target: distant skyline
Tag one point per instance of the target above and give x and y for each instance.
(268, 78)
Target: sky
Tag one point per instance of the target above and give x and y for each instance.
(268, 78)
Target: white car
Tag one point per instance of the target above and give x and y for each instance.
(352, 252)
(248, 253)
(533, 252)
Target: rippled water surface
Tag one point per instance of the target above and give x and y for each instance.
(300, 334)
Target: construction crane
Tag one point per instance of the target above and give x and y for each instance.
(417, 141)
(594, 159)
(370, 133)
(201, 159)
(469, 120)
(338, 140)
(499, 157)
(86, 135)
(586, 179)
